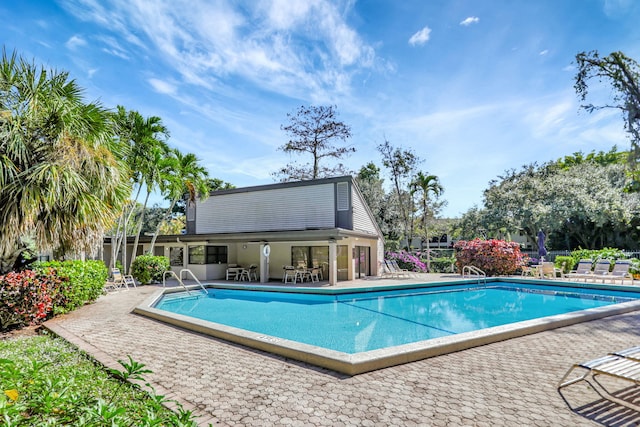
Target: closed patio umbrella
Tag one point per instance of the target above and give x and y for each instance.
(542, 251)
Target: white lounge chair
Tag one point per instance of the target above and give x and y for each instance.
(620, 272)
(119, 281)
(621, 365)
(395, 268)
(601, 268)
(582, 269)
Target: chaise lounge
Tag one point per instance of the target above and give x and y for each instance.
(620, 272)
(624, 365)
(582, 271)
(119, 281)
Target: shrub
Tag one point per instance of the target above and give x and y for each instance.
(80, 282)
(596, 254)
(568, 261)
(494, 257)
(443, 264)
(635, 266)
(148, 268)
(408, 261)
(25, 299)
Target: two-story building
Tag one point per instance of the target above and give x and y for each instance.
(322, 223)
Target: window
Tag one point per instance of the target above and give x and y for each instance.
(207, 254)
(343, 196)
(311, 257)
(176, 257)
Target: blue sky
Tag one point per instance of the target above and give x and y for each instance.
(473, 87)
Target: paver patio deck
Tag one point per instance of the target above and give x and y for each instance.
(502, 384)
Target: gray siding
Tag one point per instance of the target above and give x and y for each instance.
(361, 219)
(293, 208)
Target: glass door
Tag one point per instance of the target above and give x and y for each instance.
(362, 259)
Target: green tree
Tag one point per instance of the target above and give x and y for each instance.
(583, 205)
(314, 130)
(402, 165)
(144, 146)
(383, 206)
(59, 179)
(426, 186)
(183, 176)
(623, 74)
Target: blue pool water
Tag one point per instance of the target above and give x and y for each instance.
(358, 322)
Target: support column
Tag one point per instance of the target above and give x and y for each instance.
(265, 251)
(333, 262)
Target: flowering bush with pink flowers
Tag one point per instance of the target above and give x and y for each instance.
(494, 257)
(407, 261)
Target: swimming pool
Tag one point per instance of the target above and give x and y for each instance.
(365, 329)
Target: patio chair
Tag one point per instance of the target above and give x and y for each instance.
(601, 268)
(289, 274)
(612, 365)
(620, 272)
(253, 272)
(315, 274)
(119, 280)
(549, 270)
(243, 274)
(319, 270)
(399, 271)
(582, 269)
(387, 270)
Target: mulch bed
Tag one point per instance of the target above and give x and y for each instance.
(29, 331)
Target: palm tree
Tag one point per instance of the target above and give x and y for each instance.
(143, 143)
(427, 185)
(59, 179)
(181, 176)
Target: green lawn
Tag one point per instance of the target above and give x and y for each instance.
(44, 381)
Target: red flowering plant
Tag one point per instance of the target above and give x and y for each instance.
(494, 257)
(25, 299)
(407, 261)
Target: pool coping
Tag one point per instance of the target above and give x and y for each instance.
(358, 363)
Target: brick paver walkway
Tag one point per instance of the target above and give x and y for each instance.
(502, 384)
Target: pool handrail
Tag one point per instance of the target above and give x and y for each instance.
(469, 270)
(179, 279)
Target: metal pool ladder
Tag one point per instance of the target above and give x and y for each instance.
(472, 270)
(179, 279)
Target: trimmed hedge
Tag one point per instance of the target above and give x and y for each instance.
(82, 282)
(31, 296)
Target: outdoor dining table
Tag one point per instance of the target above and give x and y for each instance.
(236, 272)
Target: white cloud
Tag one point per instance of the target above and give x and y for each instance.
(470, 20)
(75, 42)
(162, 86)
(543, 52)
(421, 37)
(297, 49)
